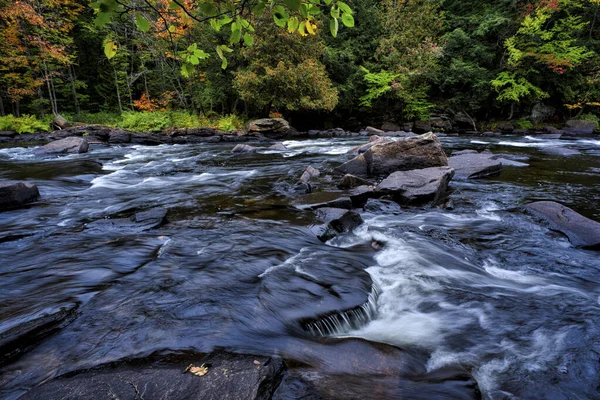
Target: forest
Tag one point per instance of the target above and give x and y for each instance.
(188, 63)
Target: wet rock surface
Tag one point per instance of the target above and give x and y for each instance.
(15, 194)
(349, 221)
(70, 145)
(581, 231)
(417, 187)
(474, 166)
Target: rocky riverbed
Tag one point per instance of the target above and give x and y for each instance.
(337, 265)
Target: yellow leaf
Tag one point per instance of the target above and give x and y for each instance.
(198, 371)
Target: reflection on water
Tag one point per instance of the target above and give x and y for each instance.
(238, 266)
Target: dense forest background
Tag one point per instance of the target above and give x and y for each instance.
(404, 60)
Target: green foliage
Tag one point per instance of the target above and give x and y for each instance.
(229, 122)
(23, 124)
(523, 124)
(513, 88)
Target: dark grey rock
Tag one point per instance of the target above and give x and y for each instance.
(491, 134)
(422, 127)
(119, 136)
(139, 222)
(462, 121)
(506, 127)
(272, 128)
(7, 134)
(361, 194)
(390, 127)
(346, 223)
(278, 147)
(417, 187)
(579, 128)
(350, 181)
(549, 136)
(229, 377)
(473, 166)
(561, 151)
(243, 148)
(71, 145)
(20, 338)
(460, 152)
(417, 152)
(581, 231)
(148, 139)
(327, 214)
(382, 206)
(373, 131)
(541, 112)
(15, 194)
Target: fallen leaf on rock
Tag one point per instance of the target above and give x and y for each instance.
(198, 371)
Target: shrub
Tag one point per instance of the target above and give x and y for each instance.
(229, 122)
(23, 124)
(155, 121)
(523, 124)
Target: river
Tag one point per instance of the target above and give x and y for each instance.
(483, 286)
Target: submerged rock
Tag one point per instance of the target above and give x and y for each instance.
(228, 377)
(417, 152)
(417, 187)
(14, 194)
(70, 145)
(243, 148)
(350, 181)
(278, 147)
(474, 166)
(382, 206)
(561, 151)
(581, 231)
(346, 223)
(139, 222)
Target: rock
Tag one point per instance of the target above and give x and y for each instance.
(14, 194)
(139, 222)
(474, 166)
(59, 122)
(349, 181)
(581, 231)
(341, 203)
(511, 163)
(71, 145)
(309, 173)
(551, 130)
(327, 214)
(361, 194)
(411, 153)
(579, 128)
(417, 187)
(422, 127)
(243, 148)
(303, 187)
(407, 126)
(401, 134)
(390, 127)
(152, 218)
(17, 340)
(491, 134)
(7, 134)
(460, 152)
(561, 151)
(549, 136)
(228, 377)
(541, 112)
(462, 121)
(346, 223)
(119, 136)
(508, 156)
(382, 206)
(373, 131)
(440, 124)
(373, 140)
(506, 127)
(272, 128)
(278, 147)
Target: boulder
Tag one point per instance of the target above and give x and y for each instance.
(417, 152)
(506, 127)
(474, 166)
(491, 134)
(422, 127)
(575, 127)
(278, 147)
(417, 187)
(440, 124)
(373, 131)
(361, 194)
(14, 194)
(541, 112)
(244, 148)
(349, 221)
(228, 377)
(270, 127)
(327, 214)
(70, 145)
(59, 123)
(390, 127)
(119, 136)
(460, 152)
(349, 181)
(382, 206)
(407, 126)
(309, 173)
(462, 121)
(581, 231)
(373, 140)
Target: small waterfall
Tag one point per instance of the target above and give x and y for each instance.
(340, 323)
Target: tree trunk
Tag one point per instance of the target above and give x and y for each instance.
(72, 78)
(512, 111)
(17, 111)
(117, 87)
(2, 112)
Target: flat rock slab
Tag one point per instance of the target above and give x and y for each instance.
(474, 166)
(14, 194)
(243, 148)
(417, 187)
(70, 145)
(229, 377)
(346, 223)
(581, 231)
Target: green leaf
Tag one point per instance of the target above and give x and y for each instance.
(110, 49)
(280, 16)
(102, 19)
(345, 8)
(236, 36)
(248, 39)
(259, 8)
(142, 23)
(208, 9)
(335, 12)
(293, 24)
(348, 20)
(293, 5)
(334, 25)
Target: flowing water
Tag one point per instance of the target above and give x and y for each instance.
(483, 286)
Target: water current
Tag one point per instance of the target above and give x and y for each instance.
(483, 286)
